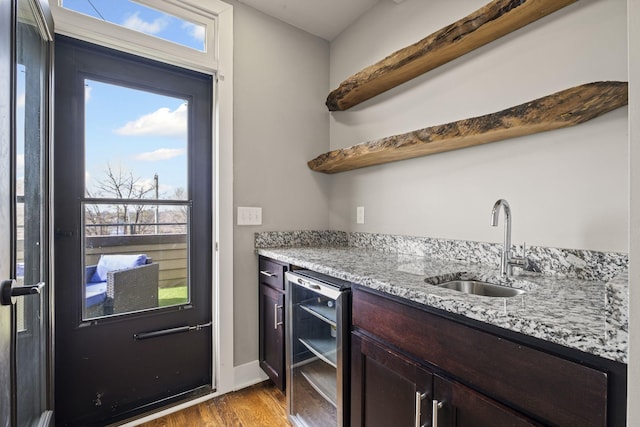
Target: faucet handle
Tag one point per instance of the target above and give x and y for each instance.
(520, 261)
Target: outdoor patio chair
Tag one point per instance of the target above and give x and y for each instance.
(121, 284)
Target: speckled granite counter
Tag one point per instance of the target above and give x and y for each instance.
(588, 315)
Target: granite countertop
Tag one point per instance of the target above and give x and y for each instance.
(588, 315)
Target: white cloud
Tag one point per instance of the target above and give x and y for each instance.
(87, 93)
(195, 31)
(20, 100)
(162, 122)
(134, 22)
(160, 154)
(144, 184)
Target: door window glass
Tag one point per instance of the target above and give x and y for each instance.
(135, 143)
(136, 211)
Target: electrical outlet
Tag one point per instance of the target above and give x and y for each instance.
(360, 215)
(249, 216)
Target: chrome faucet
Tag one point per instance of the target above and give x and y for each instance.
(507, 261)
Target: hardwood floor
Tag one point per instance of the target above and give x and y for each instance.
(261, 405)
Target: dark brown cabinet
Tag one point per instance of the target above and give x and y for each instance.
(387, 389)
(390, 389)
(272, 318)
(458, 406)
(412, 366)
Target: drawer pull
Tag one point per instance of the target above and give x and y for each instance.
(434, 412)
(276, 307)
(267, 273)
(419, 398)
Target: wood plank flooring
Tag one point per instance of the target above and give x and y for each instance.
(261, 405)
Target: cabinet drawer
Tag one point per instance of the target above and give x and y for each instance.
(551, 388)
(271, 273)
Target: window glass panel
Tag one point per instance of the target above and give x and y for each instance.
(20, 133)
(135, 143)
(140, 18)
(136, 257)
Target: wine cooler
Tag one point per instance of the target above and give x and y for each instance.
(317, 334)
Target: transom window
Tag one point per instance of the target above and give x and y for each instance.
(137, 17)
(177, 32)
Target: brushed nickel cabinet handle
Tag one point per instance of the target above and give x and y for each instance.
(419, 398)
(267, 273)
(434, 412)
(276, 307)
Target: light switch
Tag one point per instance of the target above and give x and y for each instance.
(249, 216)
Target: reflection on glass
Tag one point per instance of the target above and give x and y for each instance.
(136, 257)
(143, 19)
(20, 133)
(135, 143)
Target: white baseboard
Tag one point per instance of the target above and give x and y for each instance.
(247, 375)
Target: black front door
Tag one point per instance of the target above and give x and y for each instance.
(133, 232)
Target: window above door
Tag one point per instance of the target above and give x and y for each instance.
(178, 32)
(138, 17)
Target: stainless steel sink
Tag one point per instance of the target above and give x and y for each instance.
(476, 287)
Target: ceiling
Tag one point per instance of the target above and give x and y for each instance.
(322, 18)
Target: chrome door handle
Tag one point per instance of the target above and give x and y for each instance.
(9, 291)
(434, 412)
(419, 398)
(276, 307)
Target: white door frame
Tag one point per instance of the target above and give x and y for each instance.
(218, 61)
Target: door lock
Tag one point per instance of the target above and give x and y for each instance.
(9, 291)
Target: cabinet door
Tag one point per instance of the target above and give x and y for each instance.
(271, 307)
(459, 406)
(387, 388)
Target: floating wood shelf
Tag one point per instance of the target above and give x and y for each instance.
(562, 109)
(486, 24)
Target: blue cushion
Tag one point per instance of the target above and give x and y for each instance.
(109, 263)
(96, 293)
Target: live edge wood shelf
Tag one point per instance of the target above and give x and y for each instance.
(486, 24)
(561, 109)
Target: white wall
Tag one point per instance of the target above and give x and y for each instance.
(281, 76)
(567, 188)
(633, 419)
